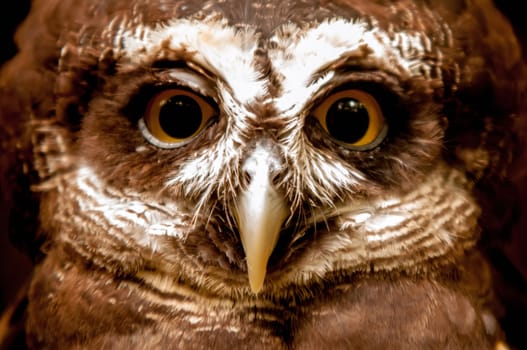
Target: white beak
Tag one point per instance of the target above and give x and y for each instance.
(260, 213)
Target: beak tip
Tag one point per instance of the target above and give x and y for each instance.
(256, 279)
(256, 289)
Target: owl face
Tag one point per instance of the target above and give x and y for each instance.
(246, 148)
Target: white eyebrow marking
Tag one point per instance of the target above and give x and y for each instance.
(223, 50)
(299, 54)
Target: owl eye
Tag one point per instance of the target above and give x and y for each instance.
(353, 118)
(174, 117)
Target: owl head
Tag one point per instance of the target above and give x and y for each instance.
(247, 147)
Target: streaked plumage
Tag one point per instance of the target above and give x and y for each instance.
(262, 224)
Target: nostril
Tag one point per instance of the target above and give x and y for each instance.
(262, 164)
(246, 178)
(275, 178)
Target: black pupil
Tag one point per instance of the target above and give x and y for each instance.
(347, 120)
(180, 116)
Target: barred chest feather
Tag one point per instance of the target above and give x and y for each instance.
(93, 309)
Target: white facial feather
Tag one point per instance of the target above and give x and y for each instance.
(133, 214)
(223, 50)
(298, 54)
(385, 231)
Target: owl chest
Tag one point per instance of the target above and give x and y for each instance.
(72, 306)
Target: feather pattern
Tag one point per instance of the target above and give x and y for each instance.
(143, 246)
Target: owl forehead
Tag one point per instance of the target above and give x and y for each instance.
(299, 58)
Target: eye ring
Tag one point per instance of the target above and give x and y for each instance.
(352, 118)
(174, 117)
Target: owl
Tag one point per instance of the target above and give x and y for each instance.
(294, 174)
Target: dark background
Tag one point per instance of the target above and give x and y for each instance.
(14, 266)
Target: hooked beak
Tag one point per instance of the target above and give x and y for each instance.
(260, 213)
